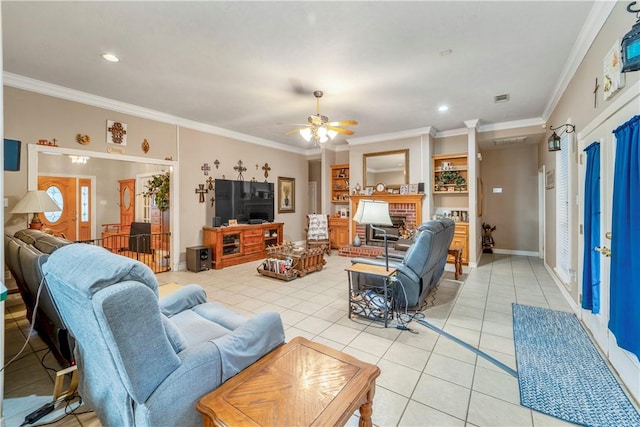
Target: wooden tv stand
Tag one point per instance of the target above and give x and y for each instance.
(242, 243)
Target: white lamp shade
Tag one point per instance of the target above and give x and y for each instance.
(372, 212)
(36, 201)
(306, 134)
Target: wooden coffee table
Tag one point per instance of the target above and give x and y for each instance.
(301, 383)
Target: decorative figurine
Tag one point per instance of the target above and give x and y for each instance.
(487, 239)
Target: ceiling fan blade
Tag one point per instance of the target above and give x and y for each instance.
(344, 123)
(293, 131)
(340, 130)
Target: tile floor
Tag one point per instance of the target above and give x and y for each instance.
(427, 379)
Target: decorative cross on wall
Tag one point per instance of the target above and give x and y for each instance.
(240, 168)
(266, 168)
(217, 163)
(206, 168)
(210, 183)
(118, 132)
(213, 199)
(201, 191)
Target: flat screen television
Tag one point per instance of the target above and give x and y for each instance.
(11, 155)
(244, 201)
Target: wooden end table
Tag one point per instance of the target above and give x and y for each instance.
(301, 383)
(456, 252)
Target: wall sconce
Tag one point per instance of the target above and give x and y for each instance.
(630, 45)
(554, 140)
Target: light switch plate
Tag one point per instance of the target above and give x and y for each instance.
(497, 189)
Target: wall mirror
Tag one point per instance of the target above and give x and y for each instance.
(390, 168)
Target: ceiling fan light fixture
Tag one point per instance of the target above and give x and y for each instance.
(306, 134)
(322, 131)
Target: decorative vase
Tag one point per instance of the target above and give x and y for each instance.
(356, 241)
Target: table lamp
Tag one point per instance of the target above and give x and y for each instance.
(34, 202)
(372, 213)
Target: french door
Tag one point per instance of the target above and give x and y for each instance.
(625, 363)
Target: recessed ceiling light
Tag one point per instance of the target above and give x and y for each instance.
(443, 108)
(110, 57)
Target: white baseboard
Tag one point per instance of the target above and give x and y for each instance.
(514, 252)
(565, 292)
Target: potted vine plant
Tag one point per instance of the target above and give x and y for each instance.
(449, 177)
(460, 181)
(158, 188)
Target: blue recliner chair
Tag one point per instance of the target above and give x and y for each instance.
(422, 266)
(144, 361)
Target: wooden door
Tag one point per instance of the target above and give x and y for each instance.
(127, 201)
(63, 191)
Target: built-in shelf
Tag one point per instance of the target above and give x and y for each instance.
(340, 184)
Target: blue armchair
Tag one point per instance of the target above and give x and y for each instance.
(145, 361)
(422, 266)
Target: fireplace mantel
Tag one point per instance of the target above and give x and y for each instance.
(411, 199)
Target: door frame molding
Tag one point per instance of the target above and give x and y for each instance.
(32, 182)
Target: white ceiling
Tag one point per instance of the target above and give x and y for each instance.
(251, 67)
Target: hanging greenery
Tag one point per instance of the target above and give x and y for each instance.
(158, 188)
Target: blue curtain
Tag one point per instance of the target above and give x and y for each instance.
(624, 319)
(591, 273)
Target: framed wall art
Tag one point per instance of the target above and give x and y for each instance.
(286, 195)
(550, 179)
(116, 133)
(612, 72)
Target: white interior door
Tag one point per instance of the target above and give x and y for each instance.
(597, 323)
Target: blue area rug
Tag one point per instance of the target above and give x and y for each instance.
(561, 373)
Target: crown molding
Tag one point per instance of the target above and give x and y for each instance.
(592, 26)
(471, 124)
(56, 91)
(514, 124)
(452, 132)
(410, 133)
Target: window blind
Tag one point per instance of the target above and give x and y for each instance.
(562, 211)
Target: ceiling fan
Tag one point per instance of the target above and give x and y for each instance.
(319, 128)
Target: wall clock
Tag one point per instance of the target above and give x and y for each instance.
(380, 187)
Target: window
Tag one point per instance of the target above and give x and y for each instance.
(55, 193)
(84, 203)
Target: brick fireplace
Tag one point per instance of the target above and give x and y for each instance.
(408, 206)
